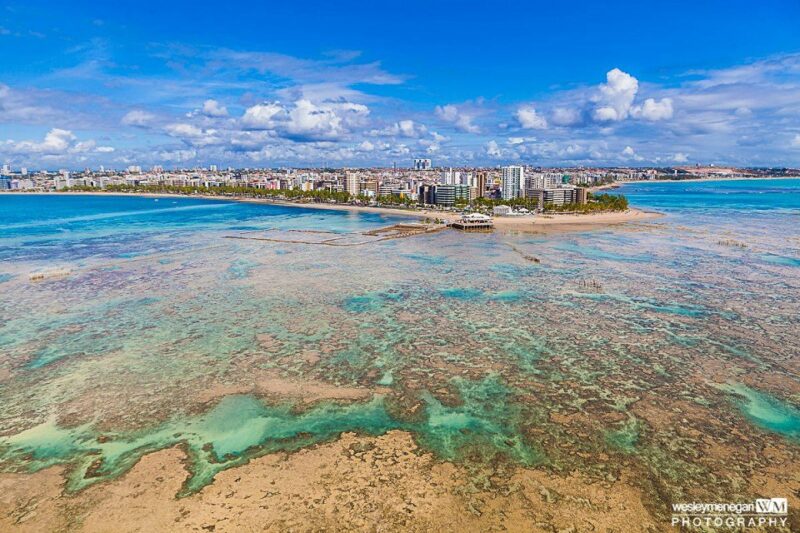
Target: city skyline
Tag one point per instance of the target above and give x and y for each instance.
(270, 86)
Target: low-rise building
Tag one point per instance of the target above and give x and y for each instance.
(449, 195)
(554, 196)
(501, 210)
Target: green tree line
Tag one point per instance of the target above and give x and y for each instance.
(320, 195)
(596, 202)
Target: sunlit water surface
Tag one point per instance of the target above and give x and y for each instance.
(167, 332)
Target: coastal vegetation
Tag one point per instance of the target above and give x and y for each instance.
(596, 203)
(528, 203)
(320, 195)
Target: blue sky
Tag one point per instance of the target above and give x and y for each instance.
(371, 83)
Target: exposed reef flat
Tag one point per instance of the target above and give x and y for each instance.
(587, 381)
(356, 483)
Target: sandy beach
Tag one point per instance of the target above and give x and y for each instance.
(543, 223)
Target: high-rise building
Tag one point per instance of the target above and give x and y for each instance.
(426, 194)
(582, 195)
(537, 182)
(481, 177)
(512, 182)
(449, 177)
(351, 184)
(422, 164)
(6, 169)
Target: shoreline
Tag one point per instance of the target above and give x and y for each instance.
(556, 223)
(534, 223)
(390, 211)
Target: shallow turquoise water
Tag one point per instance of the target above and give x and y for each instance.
(748, 195)
(766, 411)
(240, 427)
(72, 227)
(479, 353)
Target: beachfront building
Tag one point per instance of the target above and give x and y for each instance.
(473, 221)
(371, 188)
(426, 194)
(501, 211)
(512, 182)
(352, 184)
(449, 195)
(554, 196)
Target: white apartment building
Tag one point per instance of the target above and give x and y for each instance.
(351, 183)
(512, 182)
(452, 177)
(543, 181)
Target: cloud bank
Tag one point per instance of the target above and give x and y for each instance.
(260, 108)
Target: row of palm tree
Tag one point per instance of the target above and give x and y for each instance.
(596, 203)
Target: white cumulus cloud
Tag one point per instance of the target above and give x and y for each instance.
(56, 141)
(616, 96)
(652, 110)
(457, 117)
(630, 154)
(529, 119)
(263, 116)
(212, 108)
(306, 120)
(327, 121)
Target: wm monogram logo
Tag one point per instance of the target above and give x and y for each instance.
(772, 506)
